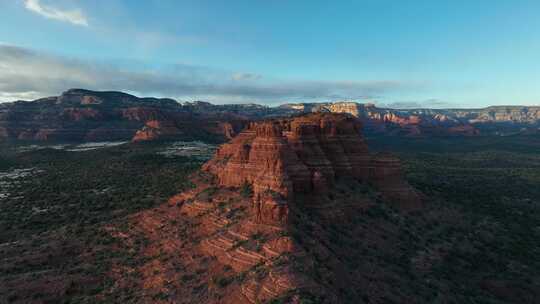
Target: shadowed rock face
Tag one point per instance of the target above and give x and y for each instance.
(305, 155)
(252, 201)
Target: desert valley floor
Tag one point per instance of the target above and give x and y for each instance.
(96, 225)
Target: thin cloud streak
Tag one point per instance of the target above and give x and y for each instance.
(75, 17)
(419, 104)
(26, 72)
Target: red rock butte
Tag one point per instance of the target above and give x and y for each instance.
(306, 154)
(251, 199)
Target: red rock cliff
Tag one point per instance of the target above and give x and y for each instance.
(304, 155)
(297, 169)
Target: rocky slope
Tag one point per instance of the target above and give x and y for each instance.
(250, 204)
(82, 115)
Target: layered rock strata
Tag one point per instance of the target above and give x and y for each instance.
(249, 198)
(279, 158)
(81, 115)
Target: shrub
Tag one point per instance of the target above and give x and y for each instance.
(222, 281)
(246, 190)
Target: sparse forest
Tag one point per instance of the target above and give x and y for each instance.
(53, 222)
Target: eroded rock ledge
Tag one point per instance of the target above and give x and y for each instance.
(251, 199)
(305, 155)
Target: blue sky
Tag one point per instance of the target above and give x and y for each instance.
(398, 53)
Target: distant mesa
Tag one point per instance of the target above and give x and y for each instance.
(82, 115)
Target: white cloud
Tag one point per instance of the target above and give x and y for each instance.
(30, 95)
(245, 76)
(28, 73)
(72, 16)
(417, 104)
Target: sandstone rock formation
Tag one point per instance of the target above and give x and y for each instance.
(252, 198)
(156, 129)
(304, 155)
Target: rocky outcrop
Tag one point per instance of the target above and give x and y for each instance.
(261, 157)
(270, 208)
(143, 114)
(281, 158)
(386, 175)
(156, 129)
(79, 114)
(516, 114)
(251, 203)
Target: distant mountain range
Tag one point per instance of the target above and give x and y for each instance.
(83, 115)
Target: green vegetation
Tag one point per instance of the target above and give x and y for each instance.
(86, 188)
(246, 190)
(493, 183)
(476, 241)
(57, 216)
(222, 282)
